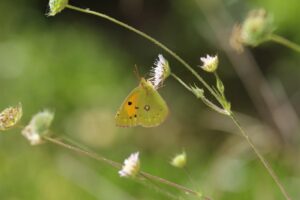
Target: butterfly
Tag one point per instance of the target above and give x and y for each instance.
(142, 107)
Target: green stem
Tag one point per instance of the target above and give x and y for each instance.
(119, 166)
(275, 38)
(151, 39)
(166, 182)
(204, 100)
(181, 82)
(261, 158)
(155, 186)
(83, 152)
(285, 42)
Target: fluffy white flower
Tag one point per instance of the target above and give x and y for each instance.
(31, 135)
(131, 166)
(210, 63)
(159, 72)
(38, 127)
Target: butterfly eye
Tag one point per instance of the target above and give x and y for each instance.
(147, 107)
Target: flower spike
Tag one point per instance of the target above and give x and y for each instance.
(159, 72)
(131, 166)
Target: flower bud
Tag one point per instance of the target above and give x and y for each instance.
(56, 6)
(255, 29)
(198, 92)
(179, 160)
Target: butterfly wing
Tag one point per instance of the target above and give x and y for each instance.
(143, 106)
(153, 110)
(127, 114)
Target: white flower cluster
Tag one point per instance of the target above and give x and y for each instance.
(159, 72)
(210, 63)
(131, 166)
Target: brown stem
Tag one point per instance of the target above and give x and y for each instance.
(119, 166)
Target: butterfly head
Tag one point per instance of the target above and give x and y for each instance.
(146, 84)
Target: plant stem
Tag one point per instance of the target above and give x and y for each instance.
(275, 38)
(261, 158)
(119, 166)
(181, 82)
(204, 100)
(151, 39)
(83, 152)
(175, 185)
(285, 42)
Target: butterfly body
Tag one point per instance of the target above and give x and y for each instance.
(143, 106)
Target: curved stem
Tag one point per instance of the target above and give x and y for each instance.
(275, 38)
(119, 166)
(175, 185)
(285, 42)
(181, 82)
(261, 158)
(151, 39)
(83, 152)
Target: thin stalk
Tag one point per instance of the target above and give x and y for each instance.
(181, 82)
(151, 39)
(119, 166)
(166, 182)
(285, 42)
(154, 186)
(83, 152)
(204, 100)
(261, 158)
(206, 85)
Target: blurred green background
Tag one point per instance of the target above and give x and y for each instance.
(81, 67)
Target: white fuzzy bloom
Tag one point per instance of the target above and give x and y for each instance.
(38, 127)
(210, 63)
(131, 166)
(31, 135)
(159, 72)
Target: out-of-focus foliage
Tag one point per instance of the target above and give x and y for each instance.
(81, 67)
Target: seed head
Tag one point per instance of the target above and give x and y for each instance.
(255, 29)
(9, 117)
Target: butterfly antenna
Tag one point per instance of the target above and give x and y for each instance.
(136, 72)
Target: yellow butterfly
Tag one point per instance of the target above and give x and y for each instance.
(143, 106)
